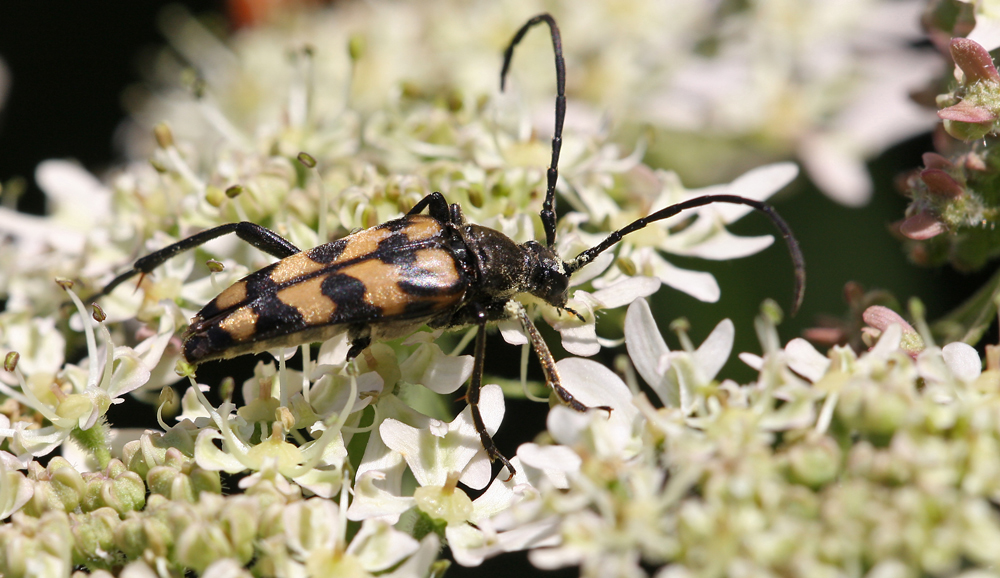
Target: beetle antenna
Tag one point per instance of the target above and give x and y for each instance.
(548, 213)
(793, 245)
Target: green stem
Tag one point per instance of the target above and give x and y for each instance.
(95, 441)
(971, 319)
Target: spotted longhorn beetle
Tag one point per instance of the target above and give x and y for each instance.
(431, 269)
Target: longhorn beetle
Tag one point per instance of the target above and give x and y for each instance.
(430, 269)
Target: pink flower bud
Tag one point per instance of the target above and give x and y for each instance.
(965, 111)
(921, 226)
(936, 161)
(974, 61)
(941, 183)
(881, 317)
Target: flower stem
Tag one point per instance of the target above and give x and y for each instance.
(94, 440)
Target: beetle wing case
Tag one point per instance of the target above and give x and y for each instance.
(394, 277)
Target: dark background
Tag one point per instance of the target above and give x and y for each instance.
(71, 61)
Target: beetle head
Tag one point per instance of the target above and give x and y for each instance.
(546, 278)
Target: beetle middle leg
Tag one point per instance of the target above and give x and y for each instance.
(472, 397)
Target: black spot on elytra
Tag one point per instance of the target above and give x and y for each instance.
(260, 283)
(275, 318)
(207, 343)
(349, 295)
(210, 310)
(329, 252)
(397, 225)
(396, 249)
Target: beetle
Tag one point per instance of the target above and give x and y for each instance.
(434, 269)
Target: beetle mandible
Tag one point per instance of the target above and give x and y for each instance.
(431, 269)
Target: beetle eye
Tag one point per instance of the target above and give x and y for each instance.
(551, 286)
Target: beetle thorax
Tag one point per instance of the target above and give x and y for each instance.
(507, 268)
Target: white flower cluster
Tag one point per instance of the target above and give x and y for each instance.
(332, 444)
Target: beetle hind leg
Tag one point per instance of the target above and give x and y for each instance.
(264, 239)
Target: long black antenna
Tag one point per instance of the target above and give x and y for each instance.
(548, 213)
(793, 245)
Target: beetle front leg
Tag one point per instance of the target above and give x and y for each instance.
(549, 363)
(472, 397)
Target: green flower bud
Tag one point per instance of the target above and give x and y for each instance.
(451, 505)
(967, 131)
(124, 492)
(94, 535)
(138, 534)
(57, 488)
(814, 463)
(10, 361)
(163, 135)
(140, 455)
(240, 523)
(200, 544)
(215, 196)
(169, 482)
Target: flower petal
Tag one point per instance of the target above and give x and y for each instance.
(962, 360)
(714, 351)
(626, 291)
(804, 360)
(643, 341)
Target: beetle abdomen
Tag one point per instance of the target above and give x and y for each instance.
(404, 272)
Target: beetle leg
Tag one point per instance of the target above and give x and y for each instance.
(549, 363)
(472, 397)
(361, 338)
(264, 239)
(436, 205)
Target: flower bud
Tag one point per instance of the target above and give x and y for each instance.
(975, 62)
(200, 544)
(814, 463)
(921, 226)
(941, 184)
(451, 505)
(124, 492)
(163, 135)
(215, 196)
(10, 361)
(139, 533)
(57, 488)
(240, 522)
(307, 160)
(94, 534)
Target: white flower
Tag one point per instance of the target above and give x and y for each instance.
(15, 489)
(439, 450)
(676, 377)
